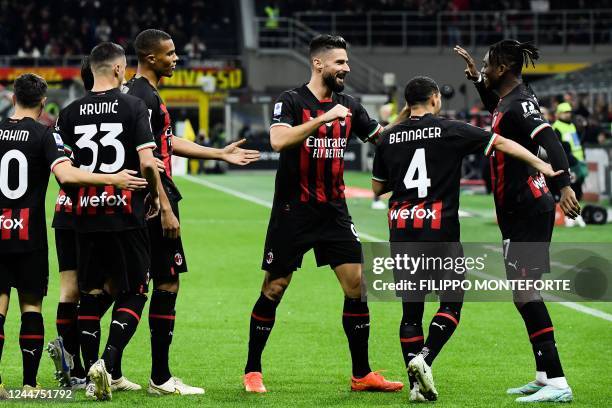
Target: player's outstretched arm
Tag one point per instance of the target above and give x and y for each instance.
(283, 137)
(517, 151)
(488, 98)
(66, 174)
(231, 153)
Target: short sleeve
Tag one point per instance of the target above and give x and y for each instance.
(63, 132)
(471, 139)
(143, 137)
(379, 169)
(284, 111)
(366, 128)
(53, 148)
(527, 118)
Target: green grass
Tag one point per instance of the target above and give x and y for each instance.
(306, 362)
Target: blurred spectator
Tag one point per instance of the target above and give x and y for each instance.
(28, 50)
(103, 31)
(195, 49)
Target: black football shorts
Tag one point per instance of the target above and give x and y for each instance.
(526, 244)
(121, 256)
(297, 227)
(167, 255)
(66, 249)
(439, 268)
(28, 272)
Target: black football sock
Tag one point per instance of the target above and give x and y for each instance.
(356, 324)
(161, 324)
(31, 340)
(126, 316)
(89, 328)
(441, 329)
(2, 318)
(541, 334)
(411, 330)
(262, 321)
(106, 301)
(67, 328)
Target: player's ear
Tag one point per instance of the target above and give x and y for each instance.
(151, 59)
(14, 100)
(43, 102)
(317, 63)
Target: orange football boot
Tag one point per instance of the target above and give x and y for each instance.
(253, 382)
(375, 382)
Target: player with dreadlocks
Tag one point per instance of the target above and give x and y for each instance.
(524, 205)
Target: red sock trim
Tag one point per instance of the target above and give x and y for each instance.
(64, 321)
(89, 317)
(539, 332)
(263, 319)
(411, 339)
(449, 317)
(158, 316)
(31, 336)
(1, 336)
(130, 311)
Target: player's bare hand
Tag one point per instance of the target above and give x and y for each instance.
(152, 206)
(471, 72)
(234, 154)
(337, 112)
(160, 165)
(568, 202)
(547, 170)
(170, 224)
(126, 180)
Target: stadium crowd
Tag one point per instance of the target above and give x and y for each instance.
(32, 29)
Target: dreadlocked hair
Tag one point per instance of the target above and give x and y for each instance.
(513, 54)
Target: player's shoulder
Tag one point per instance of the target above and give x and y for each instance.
(520, 98)
(347, 100)
(290, 94)
(140, 88)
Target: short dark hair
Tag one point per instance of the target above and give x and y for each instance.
(324, 42)
(514, 54)
(86, 74)
(146, 42)
(103, 53)
(419, 90)
(30, 90)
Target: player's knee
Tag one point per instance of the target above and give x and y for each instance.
(275, 289)
(522, 297)
(170, 285)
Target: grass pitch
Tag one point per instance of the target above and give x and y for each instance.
(307, 361)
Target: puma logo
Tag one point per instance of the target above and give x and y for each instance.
(120, 324)
(513, 265)
(29, 351)
(94, 334)
(441, 326)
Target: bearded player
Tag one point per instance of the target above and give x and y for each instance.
(311, 126)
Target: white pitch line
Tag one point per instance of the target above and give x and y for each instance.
(571, 305)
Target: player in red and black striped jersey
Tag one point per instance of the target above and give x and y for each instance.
(29, 151)
(311, 127)
(419, 161)
(106, 131)
(157, 59)
(524, 205)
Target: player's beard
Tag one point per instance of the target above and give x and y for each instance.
(330, 81)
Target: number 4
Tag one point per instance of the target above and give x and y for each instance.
(422, 183)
